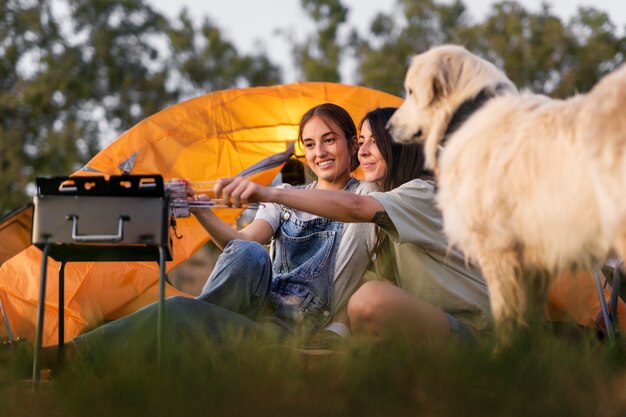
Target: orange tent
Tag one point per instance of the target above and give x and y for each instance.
(215, 135)
(15, 232)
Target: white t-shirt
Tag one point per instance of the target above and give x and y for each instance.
(353, 253)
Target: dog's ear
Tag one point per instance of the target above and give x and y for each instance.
(441, 79)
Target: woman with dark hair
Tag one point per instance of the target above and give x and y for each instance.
(437, 296)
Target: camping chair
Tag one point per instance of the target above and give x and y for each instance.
(609, 314)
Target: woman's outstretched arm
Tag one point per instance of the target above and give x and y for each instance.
(258, 231)
(334, 204)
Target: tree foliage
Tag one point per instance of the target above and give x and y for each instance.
(203, 60)
(540, 52)
(536, 49)
(74, 74)
(383, 57)
(319, 56)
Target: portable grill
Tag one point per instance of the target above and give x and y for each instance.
(119, 218)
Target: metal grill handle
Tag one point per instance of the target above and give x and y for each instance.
(98, 238)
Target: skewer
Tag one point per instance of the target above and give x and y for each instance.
(180, 204)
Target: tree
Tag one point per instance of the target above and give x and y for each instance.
(70, 84)
(121, 59)
(202, 60)
(39, 125)
(529, 47)
(538, 51)
(595, 50)
(383, 58)
(319, 56)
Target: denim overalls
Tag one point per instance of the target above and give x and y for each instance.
(304, 254)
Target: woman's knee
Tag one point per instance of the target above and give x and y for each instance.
(367, 304)
(247, 250)
(242, 257)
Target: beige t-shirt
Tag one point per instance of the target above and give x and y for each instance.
(425, 266)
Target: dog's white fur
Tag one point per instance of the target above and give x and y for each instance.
(436, 84)
(528, 185)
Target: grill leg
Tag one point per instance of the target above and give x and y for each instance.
(40, 315)
(161, 310)
(61, 338)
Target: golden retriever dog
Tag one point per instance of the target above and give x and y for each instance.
(528, 186)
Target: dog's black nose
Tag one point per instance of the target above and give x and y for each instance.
(418, 134)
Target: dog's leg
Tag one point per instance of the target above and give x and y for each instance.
(536, 285)
(502, 272)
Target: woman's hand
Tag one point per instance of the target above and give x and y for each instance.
(236, 191)
(193, 197)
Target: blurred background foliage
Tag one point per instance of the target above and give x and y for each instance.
(74, 74)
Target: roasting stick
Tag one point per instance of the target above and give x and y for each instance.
(180, 203)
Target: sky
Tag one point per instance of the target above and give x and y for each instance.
(253, 24)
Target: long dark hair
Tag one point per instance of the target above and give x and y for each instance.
(405, 162)
(338, 115)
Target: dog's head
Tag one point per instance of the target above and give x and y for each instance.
(437, 83)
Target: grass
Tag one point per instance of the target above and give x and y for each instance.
(542, 376)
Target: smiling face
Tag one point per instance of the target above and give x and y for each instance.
(372, 161)
(327, 152)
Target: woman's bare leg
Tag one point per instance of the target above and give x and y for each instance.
(380, 308)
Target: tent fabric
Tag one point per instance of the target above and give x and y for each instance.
(15, 232)
(94, 292)
(205, 138)
(573, 297)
